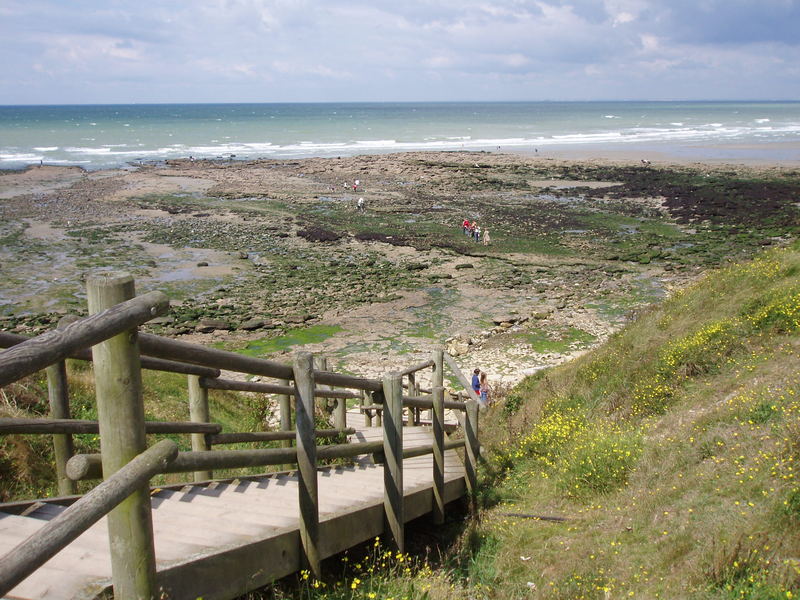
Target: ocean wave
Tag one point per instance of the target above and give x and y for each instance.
(20, 157)
(107, 154)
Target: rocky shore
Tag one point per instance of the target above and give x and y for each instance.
(267, 256)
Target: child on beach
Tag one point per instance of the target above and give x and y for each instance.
(484, 389)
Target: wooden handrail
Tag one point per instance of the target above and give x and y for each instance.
(271, 436)
(7, 340)
(419, 367)
(49, 426)
(427, 403)
(460, 376)
(270, 388)
(429, 448)
(37, 353)
(46, 542)
(89, 466)
(162, 347)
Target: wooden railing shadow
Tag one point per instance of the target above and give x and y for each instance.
(110, 339)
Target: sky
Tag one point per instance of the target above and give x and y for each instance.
(83, 52)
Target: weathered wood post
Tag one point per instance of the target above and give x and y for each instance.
(307, 460)
(120, 412)
(285, 410)
(340, 413)
(393, 452)
(437, 376)
(58, 395)
(365, 401)
(199, 413)
(472, 448)
(438, 455)
(417, 410)
(411, 392)
(437, 373)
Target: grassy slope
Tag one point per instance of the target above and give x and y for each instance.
(673, 450)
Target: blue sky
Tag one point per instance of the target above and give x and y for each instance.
(408, 50)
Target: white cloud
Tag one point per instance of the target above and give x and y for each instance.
(417, 49)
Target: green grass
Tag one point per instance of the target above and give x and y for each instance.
(294, 337)
(542, 341)
(672, 449)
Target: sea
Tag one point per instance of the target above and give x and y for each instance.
(105, 136)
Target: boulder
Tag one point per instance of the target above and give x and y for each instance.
(251, 324)
(208, 324)
(500, 319)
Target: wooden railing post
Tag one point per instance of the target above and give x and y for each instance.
(411, 392)
(307, 460)
(471, 448)
(120, 412)
(393, 452)
(438, 455)
(58, 394)
(417, 410)
(199, 413)
(438, 368)
(365, 400)
(340, 413)
(285, 410)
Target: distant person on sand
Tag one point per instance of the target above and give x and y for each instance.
(465, 225)
(356, 183)
(484, 388)
(476, 381)
(477, 234)
(360, 205)
(486, 239)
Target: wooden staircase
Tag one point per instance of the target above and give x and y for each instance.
(221, 539)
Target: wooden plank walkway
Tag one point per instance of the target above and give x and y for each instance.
(224, 539)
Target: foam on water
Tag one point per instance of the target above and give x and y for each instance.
(122, 134)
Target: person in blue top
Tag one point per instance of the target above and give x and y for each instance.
(476, 382)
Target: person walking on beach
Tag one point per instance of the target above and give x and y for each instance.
(486, 239)
(360, 205)
(465, 225)
(477, 234)
(476, 382)
(484, 389)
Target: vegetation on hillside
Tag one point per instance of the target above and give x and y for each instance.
(672, 452)
(26, 461)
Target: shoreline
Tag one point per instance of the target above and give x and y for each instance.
(223, 236)
(707, 155)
